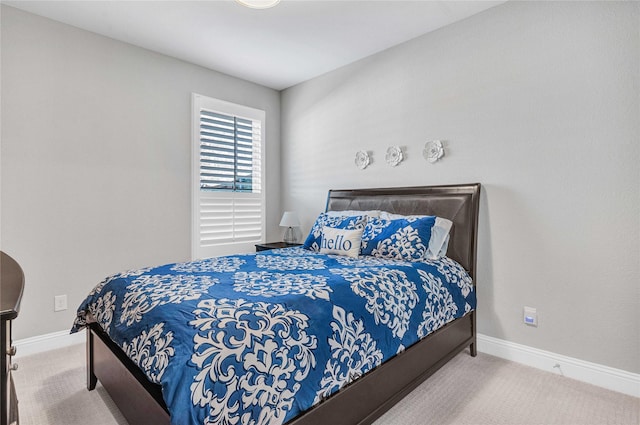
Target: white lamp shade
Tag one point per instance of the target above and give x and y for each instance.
(290, 219)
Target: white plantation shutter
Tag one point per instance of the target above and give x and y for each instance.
(230, 152)
(229, 218)
(228, 200)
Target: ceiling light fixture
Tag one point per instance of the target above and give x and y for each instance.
(258, 4)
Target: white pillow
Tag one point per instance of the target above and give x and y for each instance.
(439, 241)
(385, 215)
(349, 213)
(341, 241)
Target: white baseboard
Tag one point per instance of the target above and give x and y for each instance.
(592, 373)
(41, 343)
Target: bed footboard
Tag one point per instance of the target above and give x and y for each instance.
(360, 403)
(139, 400)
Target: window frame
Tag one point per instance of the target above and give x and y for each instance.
(199, 102)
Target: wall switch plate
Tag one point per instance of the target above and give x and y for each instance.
(59, 303)
(530, 316)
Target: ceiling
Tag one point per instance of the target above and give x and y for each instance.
(279, 47)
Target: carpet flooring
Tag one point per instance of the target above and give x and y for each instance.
(484, 390)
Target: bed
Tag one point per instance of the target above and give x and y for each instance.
(363, 396)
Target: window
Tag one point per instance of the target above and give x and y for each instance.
(228, 174)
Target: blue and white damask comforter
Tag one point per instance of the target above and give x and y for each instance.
(260, 338)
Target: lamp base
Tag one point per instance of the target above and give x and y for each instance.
(289, 236)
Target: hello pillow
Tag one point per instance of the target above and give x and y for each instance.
(314, 239)
(341, 241)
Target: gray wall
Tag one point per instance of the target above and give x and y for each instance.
(95, 159)
(540, 103)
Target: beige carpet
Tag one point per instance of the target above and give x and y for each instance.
(478, 391)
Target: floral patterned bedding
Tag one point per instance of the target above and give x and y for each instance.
(260, 338)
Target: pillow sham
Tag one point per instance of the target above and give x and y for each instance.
(439, 241)
(341, 241)
(339, 222)
(401, 239)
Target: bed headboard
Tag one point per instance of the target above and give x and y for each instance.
(458, 203)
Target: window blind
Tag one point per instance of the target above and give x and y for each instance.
(229, 153)
(228, 195)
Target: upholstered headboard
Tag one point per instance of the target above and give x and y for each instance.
(458, 203)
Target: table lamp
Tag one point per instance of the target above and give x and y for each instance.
(290, 220)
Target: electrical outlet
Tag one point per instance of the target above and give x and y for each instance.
(530, 316)
(59, 303)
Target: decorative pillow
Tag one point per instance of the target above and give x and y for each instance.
(341, 241)
(338, 222)
(439, 241)
(401, 239)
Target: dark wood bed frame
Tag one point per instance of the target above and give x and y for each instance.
(366, 399)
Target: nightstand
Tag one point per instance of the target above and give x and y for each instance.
(274, 245)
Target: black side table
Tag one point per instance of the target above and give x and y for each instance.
(274, 245)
